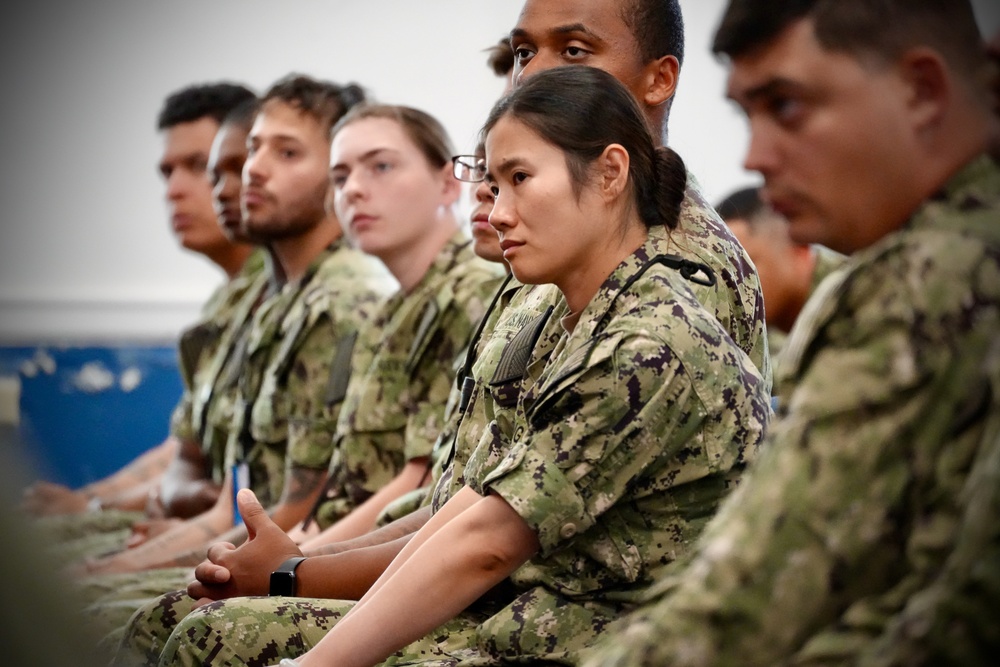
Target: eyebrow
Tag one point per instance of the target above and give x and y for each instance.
(567, 29)
(368, 155)
(505, 166)
(766, 89)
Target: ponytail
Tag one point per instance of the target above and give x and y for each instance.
(661, 203)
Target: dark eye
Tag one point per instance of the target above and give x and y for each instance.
(523, 54)
(518, 177)
(574, 52)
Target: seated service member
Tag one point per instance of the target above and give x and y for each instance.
(871, 124)
(283, 423)
(187, 122)
(396, 193)
(547, 35)
(622, 446)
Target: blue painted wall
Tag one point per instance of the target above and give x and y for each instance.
(86, 411)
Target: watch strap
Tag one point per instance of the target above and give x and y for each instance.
(283, 581)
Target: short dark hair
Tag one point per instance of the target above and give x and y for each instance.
(243, 114)
(191, 103)
(501, 57)
(325, 101)
(424, 130)
(658, 28)
(744, 204)
(883, 28)
(582, 110)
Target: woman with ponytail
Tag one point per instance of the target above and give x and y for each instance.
(627, 439)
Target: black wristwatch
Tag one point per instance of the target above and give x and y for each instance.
(283, 579)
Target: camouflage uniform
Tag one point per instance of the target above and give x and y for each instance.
(395, 407)
(734, 300)
(622, 448)
(827, 261)
(402, 359)
(80, 536)
(855, 505)
(286, 400)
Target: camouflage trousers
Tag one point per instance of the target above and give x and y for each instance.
(79, 536)
(111, 599)
(258, 631)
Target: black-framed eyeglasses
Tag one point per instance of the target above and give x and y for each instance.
(469, 168)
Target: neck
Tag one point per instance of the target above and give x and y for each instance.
(409, 265)
(295, 254)
(231, 258)
(580, 286)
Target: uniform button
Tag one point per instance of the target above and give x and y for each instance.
(568, 531)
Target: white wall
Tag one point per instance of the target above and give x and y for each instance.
(85, 250)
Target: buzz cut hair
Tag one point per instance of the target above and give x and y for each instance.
(883, 29)
(658, 28)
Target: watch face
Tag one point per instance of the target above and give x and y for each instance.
(282, 583)
(283, 579)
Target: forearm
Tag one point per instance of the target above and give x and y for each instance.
(135, 498)
(440, 576)
(147, 466)
(182, 546)
(362, 519)
(404, 526)
(348, 575)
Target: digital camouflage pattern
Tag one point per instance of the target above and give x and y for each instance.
(286, 362)
(736, 299)
(851, 515)
(287, 404)
(80, 536)
(403, 373)
(633, 432)
(200, 345)
(740, 311)
(401, 360)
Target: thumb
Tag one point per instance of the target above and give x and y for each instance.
(254, 516)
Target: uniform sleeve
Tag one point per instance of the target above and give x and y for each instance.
(813, 525)
(595, 433)
(182, 419)
(312, 396)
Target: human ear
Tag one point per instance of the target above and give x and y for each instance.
(613, 164)
(451, 187)
(661, 80)
(928, 87)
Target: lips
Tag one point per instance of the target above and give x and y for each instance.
(253, 197)
(509, 246)
(180, 222)
(362, 221)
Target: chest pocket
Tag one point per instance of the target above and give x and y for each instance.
(505, 386)
(565, 374)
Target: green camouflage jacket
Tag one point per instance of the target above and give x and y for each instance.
(403, 370)
(290, 387)
(857, 500)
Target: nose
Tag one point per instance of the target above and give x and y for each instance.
(483, 193)
(255, 168)
(227, 189)
(351, 188)
(762, 151)
(502, 216)
(177, 185)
